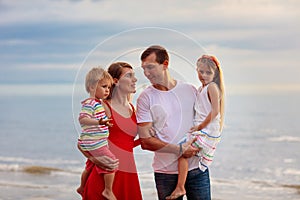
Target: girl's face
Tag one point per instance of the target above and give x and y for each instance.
(103, 89)
(205, 74)
(127, 81)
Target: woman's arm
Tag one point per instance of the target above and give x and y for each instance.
(137, 142)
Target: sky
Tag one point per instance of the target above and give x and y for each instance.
(56, 41)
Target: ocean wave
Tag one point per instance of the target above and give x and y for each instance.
(49, 161)
(262, 185)
(292, 172)
(9, 167)
(39, 166)
(35, 169)
(285, 139)
(24, 185)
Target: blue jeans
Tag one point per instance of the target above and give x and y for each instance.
(197, 185)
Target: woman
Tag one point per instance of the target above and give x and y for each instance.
(121, 138)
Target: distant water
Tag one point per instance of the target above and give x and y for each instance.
(258, 157)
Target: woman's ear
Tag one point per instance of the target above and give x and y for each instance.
(115, 81)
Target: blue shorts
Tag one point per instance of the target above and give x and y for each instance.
(197, 185)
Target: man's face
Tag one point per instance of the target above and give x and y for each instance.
(152, 69)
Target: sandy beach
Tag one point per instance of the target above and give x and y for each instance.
(41, 183)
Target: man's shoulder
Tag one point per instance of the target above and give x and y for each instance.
(185, 83)
(145, 94)
(186, 86)
(146, 91)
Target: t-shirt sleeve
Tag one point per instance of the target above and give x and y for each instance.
(87, 110)
(143, 109)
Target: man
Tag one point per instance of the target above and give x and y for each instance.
(167, 106)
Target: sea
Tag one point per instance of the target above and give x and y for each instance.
(257, 158)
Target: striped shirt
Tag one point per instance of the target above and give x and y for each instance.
(92, 136)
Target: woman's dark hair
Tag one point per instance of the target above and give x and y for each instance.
(115, 70)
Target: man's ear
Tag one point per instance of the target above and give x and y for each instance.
(166, 64)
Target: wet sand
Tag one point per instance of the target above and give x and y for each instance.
(51, 184)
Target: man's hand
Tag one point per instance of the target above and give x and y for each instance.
(188, 150)
(194, 128)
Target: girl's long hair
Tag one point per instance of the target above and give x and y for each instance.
(213, 63)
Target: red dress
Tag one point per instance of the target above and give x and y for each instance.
(121, 143)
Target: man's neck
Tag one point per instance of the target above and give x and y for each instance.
(170, 84)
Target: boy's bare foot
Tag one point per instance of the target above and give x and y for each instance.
(176, 193)
(80, 190)
(108, 195)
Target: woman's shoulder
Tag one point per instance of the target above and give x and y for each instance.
(107, 107)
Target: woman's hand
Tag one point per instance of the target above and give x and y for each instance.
(152, 132)
(105, 162)
(105, 122)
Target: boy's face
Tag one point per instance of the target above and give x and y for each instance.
(102, 89)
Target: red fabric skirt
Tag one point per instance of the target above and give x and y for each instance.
(126, 186)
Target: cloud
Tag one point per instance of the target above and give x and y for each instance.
(240, 12)
(258, 24)
(250, 37)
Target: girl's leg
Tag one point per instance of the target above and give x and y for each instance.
(182, 174)
(108, 181)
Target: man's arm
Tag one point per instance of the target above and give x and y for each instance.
(151, 143)
(103, 162)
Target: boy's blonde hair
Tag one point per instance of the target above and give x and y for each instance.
(95, 75)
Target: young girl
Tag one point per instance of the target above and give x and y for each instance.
(209, 116)
(94, 123)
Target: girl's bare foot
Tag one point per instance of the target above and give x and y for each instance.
(178, 192)
(80, 190)
(108, 195)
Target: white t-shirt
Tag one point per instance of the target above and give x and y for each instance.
(171, 113)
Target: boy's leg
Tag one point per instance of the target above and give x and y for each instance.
(84, 176)
(182, 174)
(108, 182)
(198, 185)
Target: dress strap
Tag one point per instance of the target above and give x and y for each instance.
(106, 102)
(133, 109)
(111, 110)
